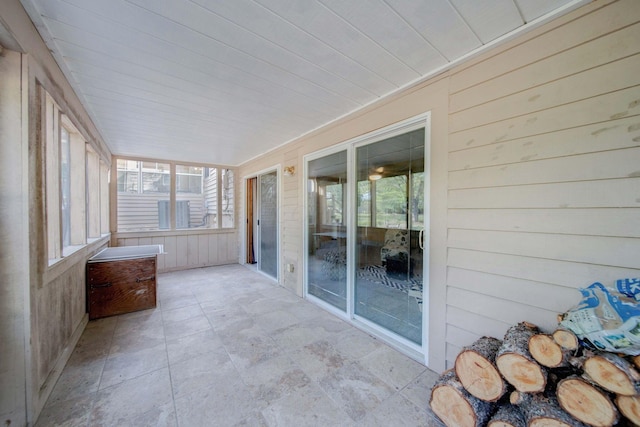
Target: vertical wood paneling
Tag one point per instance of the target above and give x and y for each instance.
(161, 257)
(203, 249)
(171, 249)
(192, 251)
(182, 251)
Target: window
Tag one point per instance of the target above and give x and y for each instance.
(93, 197)
(145, 196)
(104, 198)
(75, 210)
(227, 199)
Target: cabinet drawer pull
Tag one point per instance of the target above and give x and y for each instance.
(101, 285)
(144, 279)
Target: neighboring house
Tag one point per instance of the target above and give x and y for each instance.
(533, 191)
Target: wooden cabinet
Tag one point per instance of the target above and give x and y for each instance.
(117, 286)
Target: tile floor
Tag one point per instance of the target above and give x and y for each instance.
(228, 347)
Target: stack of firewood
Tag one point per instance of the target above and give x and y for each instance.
(535, 379)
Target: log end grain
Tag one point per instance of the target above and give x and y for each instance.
(586, 403)
(566, 339)
(479, 376)
(546, 351)
(629, 406)
(455, 406)
(612, 373)
(452, 409)
(521, 372)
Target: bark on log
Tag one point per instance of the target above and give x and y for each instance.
(542, 411)
(629, 406)
(612, 373)
(586, 403)
(547, 352)
(566, 339)
(515, 362)
(477, 372)
(455, 406)
(507, 416)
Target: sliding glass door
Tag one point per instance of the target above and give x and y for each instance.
(326, 229)
(365, 230)
(390, 233)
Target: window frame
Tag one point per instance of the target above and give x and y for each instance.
(66, 211)
(175, 195)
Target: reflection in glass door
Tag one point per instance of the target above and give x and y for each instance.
(326, 229)
(268, 223)
(390, 233)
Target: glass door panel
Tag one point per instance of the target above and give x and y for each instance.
(268, 224)
(326, 229)
(390, 219)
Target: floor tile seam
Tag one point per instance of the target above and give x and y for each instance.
(111, 342)
(173, 396)
(134, 377)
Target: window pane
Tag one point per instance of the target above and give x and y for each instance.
(211, 196)
(228, 200)
(189, 179)
(364, 204)
(143, 195)
(191, 202)
(156, 177)
(326, 231)
(128, 176)
(65, 182)
(333, 200)
(391, 202)
(51, 122)
(104, 198)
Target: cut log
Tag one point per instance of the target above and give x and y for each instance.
(477, 372)
(515, 362)
(586, 403)
(630, 408)
(542, 411)
(455, 406)
(547, 352)
(566, 339)
(612, 373)
(507, 416)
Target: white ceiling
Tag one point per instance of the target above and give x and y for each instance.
(222, 81)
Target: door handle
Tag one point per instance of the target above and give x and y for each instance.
(421, 239)
(144, 279)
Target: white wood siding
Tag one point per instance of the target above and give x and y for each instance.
(140, 211)
(544, 174)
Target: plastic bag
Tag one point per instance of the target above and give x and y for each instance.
(608, 318)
